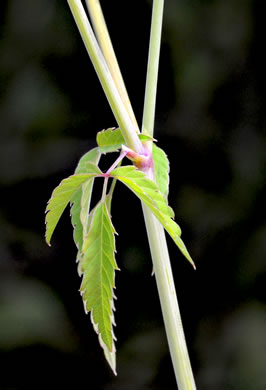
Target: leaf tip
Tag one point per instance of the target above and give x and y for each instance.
(191, 262)
(47, 240)
(111, 359)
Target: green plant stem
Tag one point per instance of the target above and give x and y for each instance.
(155, 231)
(104, 40)
(168, 300)
(128, 128)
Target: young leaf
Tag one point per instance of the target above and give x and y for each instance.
(146, 190)
(62, 195)
(110, 140)
(161, 169)
(98, 268)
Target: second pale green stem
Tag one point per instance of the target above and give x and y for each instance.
(128, 128)
(104, 39)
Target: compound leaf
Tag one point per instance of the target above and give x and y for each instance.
(161, 169)
(98, 268)
(61, 196)
(146, 190)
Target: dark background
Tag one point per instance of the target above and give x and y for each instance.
(211, 122)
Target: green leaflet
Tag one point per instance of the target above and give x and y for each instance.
(111, 140)
(62, 195)
(80, 203)
(161, 169)
(149, 193)
(98, 268)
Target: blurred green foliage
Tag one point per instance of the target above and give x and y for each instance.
(210, 121)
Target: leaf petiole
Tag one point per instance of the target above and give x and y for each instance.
(117, 161)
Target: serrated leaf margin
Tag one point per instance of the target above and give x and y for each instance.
(102, 235)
